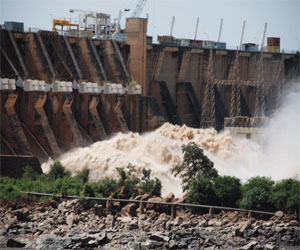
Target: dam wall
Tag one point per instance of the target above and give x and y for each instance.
(59, 92)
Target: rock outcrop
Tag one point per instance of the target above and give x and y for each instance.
(73, 224)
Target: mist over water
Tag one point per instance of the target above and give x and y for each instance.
(277, 155)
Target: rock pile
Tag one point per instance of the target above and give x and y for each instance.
(73, 224)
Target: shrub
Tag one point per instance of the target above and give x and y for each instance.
(57, 170)
(59, 181)
(128, 180)
(26, 183)
(151, 186)
(105, 187)
(195, 164)
(88, 191)
(28, 174)
(8, 189)
(202, 192)
(83, 175)
(257, 198)
(286, 194)
(258, 182)
(228, 190)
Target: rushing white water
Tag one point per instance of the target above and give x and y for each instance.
(277, 157)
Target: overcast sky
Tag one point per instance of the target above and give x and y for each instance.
(282, 17)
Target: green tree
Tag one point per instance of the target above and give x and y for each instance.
(257, 198)
(195, 164)
(264, 183)
(228, 190)
(202, 192)
(286, 194)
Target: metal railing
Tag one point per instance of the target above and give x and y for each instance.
(143, 202)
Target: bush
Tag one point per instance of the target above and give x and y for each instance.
(286, 195)
(8, 189)
(228, 190)
(83, 175)
(149, 185)
(88, 191)
(26, 183)
(202, 192)
(195, 164)
(257, 194)
(57, 170)
(264, 183)
(59, 181)
(128, 181)
(257, 198)
(28, 173)
(105, 187)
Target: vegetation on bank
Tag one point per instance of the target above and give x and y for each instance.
(60, 181)
(204, 186)
(200, 181)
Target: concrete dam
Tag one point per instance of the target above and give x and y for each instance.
(62, 92)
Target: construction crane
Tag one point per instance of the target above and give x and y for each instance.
(138, 8)
(172, 26)
(83, 11)
(196, 28)
(220, 30)
(242, 34)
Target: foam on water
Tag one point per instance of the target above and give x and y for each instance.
(160, 150)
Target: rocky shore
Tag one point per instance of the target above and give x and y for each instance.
(74, 224)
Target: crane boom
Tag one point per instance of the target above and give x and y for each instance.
(172, 25)
(220, 30)
(83, 11)
(138, 8)
(242, 34)
(196, 28)
(264, 37)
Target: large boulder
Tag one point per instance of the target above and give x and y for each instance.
(129, 210)
(71, 219)
(156, 207)
(22, 214)
(169, 197)
(279, 214)
(242, 227)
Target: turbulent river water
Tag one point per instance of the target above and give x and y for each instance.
(277, 155)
